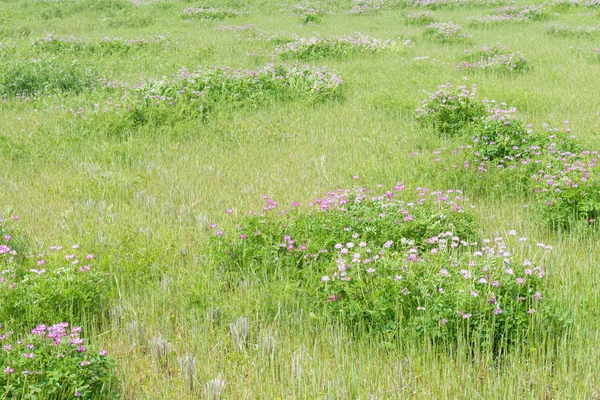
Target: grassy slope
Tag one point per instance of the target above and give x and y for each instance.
(141, 200)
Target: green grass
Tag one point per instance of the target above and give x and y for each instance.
(141, 197)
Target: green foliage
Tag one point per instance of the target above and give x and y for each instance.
(450, 293)
(55, 363)
(567, 189)
(59, 285)
(337, 47)
(200, 91)
(43, 76)
(451, 110)
(302, 244)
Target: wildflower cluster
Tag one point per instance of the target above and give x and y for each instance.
(60, 44)
(458, 3)
(211, 13)
(451, 110)
(454, 289)
(445, 32)
(567, 188)
(55, 362)
(203, 87)
(582, 31)
(563, 5)
(337, 47)
(293, 240)
(308, 13)
(421, 18)
(60, 284)
(511, 14)
(496, 58)
(361, 7)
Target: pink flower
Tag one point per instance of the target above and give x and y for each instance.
(8, 370)
(103, 353)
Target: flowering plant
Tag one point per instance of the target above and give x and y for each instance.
(59, 284)
(55, 362)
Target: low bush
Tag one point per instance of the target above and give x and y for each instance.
(490, 296)
(60, 284)
(451, 110)
(304, 243)
(54, 362)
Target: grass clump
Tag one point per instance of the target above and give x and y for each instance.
(43, 76)
(211, 13)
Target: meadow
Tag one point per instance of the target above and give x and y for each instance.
(335, 199)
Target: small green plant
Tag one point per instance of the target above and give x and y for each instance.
(54, 362)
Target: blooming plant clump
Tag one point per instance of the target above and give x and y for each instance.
(55, 362)
(579, 31)
(511, 13)
(211, 13)
(489, 294)
(446, 32)
(202, 88)
(309, 13)
(567, 189)
(301, 243)
(497, 58)
(59, 44)
(337, 47)
(60, 283)
(451, 110)
(459, 3)
(421, 18)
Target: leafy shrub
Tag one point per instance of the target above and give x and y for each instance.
(336, 47)
(497, 58)
(445, 32)
(55, 363)
(61, 285)
(37, 76)
(61, 44)
(450, 111)
(200, 90)
(303, 243)
(211, 13)
(567, 189)
(450, 292)
(421, 18)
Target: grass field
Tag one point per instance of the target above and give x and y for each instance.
(139, 189)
